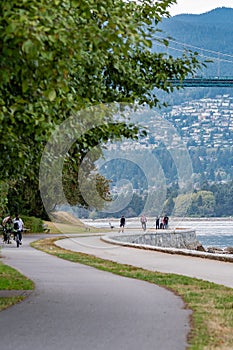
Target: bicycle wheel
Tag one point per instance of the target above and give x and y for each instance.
(17, 240)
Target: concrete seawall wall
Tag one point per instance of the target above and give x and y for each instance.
(184, 238)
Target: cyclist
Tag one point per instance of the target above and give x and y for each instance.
(18, 227)
(7, 225)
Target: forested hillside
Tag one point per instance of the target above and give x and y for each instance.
(210, 35)
(203, 118)
(211, 31)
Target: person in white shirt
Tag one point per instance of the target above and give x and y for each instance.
(18, 227)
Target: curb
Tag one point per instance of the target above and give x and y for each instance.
(15, 293)
(187, 252)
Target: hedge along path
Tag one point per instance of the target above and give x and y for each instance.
(212, 304)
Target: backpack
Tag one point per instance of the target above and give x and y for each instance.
(16, 225)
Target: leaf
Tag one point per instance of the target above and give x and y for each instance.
(27, 46)
(25, 86)
(52, 95)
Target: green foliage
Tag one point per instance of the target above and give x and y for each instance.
(59, 57)
(182, 202)
(92, 182)
(3, 196)
(202, 204)
(223, 193)
(24, 197)
(213, 201)
(35, 225)
(169, 206)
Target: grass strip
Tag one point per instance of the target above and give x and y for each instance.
(212, 304)
(9, 301)
(11, 279)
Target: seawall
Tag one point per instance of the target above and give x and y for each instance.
(179, 238)
(178, 241)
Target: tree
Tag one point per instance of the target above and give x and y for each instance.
(223, 198)
(60, 56)
(169, 206)
(203, 204)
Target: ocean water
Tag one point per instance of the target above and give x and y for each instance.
(210, 232)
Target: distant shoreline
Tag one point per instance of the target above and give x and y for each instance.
(175, 218)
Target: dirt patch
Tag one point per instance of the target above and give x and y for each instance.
(66, 218)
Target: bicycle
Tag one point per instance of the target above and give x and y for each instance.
(18, 238)
(6, 235)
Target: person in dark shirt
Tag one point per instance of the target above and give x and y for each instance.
(122, 224)
(165, 221)
(157, 223)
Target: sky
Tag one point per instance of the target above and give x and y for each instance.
(198, 6)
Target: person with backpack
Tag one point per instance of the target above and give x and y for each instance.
(18, 227)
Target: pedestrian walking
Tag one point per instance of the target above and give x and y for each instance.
(143, 222)
(165, 221)
(122, 224)
(157, 223)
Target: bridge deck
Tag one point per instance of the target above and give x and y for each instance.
(204, 82)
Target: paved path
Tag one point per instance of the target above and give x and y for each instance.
(81, 308)
(206, 269)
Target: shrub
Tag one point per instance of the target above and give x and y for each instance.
(35, 225)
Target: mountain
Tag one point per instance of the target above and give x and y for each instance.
(219, 16)
(202, 117)
(211, 35)
(211, 31)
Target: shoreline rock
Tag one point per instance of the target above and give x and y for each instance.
(217, 250)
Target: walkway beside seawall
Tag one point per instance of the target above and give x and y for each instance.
(219, 272)
(77, 307)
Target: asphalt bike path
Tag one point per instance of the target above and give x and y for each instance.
(78, 307)
(206, 269)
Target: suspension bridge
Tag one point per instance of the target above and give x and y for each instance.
(202, 80)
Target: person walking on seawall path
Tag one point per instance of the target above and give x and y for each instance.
(143, 222)
(122, 224)
(18, 227)
(157, 223)
(165, 221)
